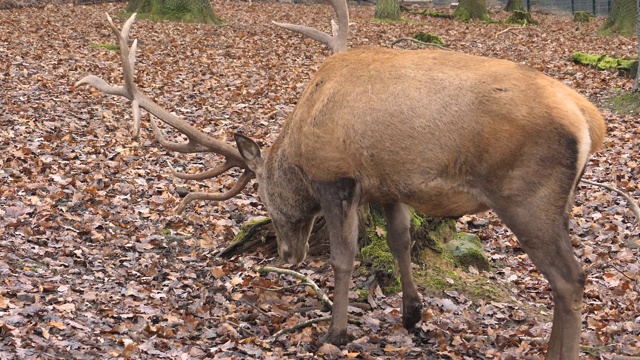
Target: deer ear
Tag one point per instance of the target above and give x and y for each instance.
(250, 151)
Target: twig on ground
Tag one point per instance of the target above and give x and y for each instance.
(323, 297)
(300, 326)
(308, 323)
(632, 204)
(509, 29)
(533, 340)
(418, 42)
(622, 272)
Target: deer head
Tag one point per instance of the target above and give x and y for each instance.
(442, 132)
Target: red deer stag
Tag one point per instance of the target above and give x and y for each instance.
(441, 132)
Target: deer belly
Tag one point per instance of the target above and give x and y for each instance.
(445, 203)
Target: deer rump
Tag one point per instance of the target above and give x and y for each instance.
(443, 132)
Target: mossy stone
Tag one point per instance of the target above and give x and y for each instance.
(467, 250)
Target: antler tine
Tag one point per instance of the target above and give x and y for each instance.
(243, 180)
(337, 42)
(218, 170)
(197, 140)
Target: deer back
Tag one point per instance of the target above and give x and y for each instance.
(438, 128)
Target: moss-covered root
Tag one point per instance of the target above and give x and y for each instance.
(428, 38)
(521, 18)
(381, 262)
(604, 62)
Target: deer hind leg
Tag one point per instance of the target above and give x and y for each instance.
(339, 201)
(542, 230)
(398, 217)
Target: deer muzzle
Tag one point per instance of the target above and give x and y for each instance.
(292, 255)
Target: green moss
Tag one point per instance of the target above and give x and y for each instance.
(620, 21)
(378, 254)
(112, 47)
(173, 10)
(473, 9)
(467, 251)
(428, 38)
(249, 227)
(387, 9)
(363, 295)
(436, 282)
(394, 288)
(604, 62)
(626, 103)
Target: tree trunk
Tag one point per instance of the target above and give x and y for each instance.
(471, 9)
(194, 11)
(621, 19)
(387, 9)
(514, 5)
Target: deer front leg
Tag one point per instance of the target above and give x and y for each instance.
(339, 202)
(398, 218)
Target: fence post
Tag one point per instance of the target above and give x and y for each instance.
(573, 7)
(529, 5)
(593, 6)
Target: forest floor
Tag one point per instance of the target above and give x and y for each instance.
(95, 263)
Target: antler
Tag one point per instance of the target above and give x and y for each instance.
(197, 141)
(337, 42)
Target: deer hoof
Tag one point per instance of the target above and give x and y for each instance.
(411, 314)
(337, 338)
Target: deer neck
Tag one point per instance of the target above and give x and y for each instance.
(287, 184)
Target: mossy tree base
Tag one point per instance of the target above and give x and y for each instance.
(514, 5)
(582, 17)
(521, 18)
(388, 10)
(621, 19)
(190, 11)
(471, 9)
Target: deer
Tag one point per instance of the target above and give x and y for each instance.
(441, 132)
